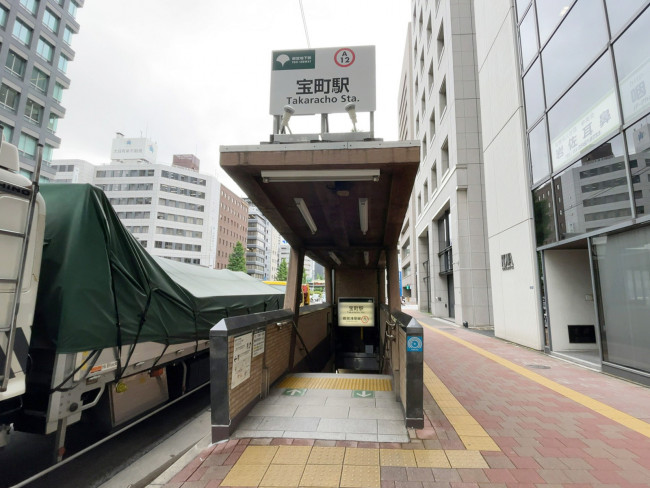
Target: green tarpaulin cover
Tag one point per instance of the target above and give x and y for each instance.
(99, 288)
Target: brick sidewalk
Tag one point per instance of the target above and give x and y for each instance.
(493, 420)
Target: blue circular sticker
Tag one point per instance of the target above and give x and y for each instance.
(414, 344)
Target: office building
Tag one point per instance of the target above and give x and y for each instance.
(35, 51)
(172, 210)
(233, 225)
(443, 246)
(565, 116)
(258, 244)
(73, 171)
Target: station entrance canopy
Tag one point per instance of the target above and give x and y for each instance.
(344, 203)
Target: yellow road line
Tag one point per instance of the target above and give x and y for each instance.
(618, 416)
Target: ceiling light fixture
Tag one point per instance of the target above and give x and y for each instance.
(288, 112)
(351, 109)
(284, 176)
(363, 215)
(366, 257)
(302, 206)
(335, 258)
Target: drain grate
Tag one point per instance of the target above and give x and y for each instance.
(537, 366)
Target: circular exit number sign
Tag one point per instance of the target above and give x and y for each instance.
(344, 57)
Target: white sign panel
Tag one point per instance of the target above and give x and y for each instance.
(258, 342)
(134, 148)
(241, 359)
(588, 130)
(356, 312)
(635, 91)
(321, 81)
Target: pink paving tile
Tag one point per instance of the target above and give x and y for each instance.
(187, 471)
(303, 442)
(456, 484)
(472, 475)
(526, 475)
(198, 474)
(232, 459)
(390, 445)
(499, 475)
(452, 444)
(349, 444)
(608, 477)
(281, 442)
(524, 462)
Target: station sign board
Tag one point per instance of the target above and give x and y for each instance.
(356, 312)
(325, 80)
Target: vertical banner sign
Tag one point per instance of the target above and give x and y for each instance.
(258, 342)
(241, 359)
(323, 81)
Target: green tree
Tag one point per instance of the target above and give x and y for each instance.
(282, 271)
(237, 259)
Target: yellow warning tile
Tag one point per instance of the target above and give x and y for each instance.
(292, 455)
(458, 410)
(471, 430)
(434, 458)
(361, 456)
(285, 475)
(244, 475)
(397, 457)
(258, 455)
(460, 419)
(479, 443)
(323, 383)
(360, 477)
(466, 459)
(326, 455)
(320, 475)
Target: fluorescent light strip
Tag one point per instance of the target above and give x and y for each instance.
(363, 215)
(335, 258)
(284, 176)
(366, 257)
(302, 206)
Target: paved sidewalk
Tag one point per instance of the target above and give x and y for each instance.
(495, 418)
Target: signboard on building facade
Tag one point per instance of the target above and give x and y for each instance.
(321, 81)
(241, 359)
(259, 339)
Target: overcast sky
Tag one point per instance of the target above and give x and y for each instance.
(195, 74)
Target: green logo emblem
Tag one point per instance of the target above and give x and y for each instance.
(283, 60)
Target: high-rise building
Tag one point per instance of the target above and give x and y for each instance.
(443, 247)
(73, 171)
(258, 245)
(35, 52)
(233, 225)
(565, 117)
(173, 211)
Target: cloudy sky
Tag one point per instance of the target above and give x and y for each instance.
(195, 74)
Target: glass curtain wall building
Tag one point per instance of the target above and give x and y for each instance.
(584, 67)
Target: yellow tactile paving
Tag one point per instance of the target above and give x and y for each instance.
(465, 425)
(466, 459)
(245, 475)
(368, 384)
(292, 455)
(326, 455)
(362, 457)
(434, 458)
(320, 475)
(478, 443)
(622, 418)
(360, 477)
(397, 457)
(285, 475)
(258, 455)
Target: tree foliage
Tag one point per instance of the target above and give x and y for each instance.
(237, 259)
(282, 271)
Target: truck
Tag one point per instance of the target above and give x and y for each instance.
(92, 326)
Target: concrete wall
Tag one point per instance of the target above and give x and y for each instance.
(515, 292)
(570, 295)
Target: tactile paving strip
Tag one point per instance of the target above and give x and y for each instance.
(370, 384)
(360, 477)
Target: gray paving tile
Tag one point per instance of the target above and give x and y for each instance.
(285, 423)
(265, 410)
(385, 394)
(328, 436)
(349, 402)
(330, 412)
(375, 413)
(250, 423)
(387, 403)
(351, 436)
(306, 400)
(328, 393)
(361, 426)
(395, 427)
(242, 433)
(392, 438)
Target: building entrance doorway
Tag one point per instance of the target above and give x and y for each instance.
(450, 296)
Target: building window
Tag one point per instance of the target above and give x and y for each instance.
(424, 147)
(3, 16)
(45, 50)
(430, 76)
(8, 132)
(72, 8)
(434, 177)
(27, 146)
(441, 41)
(15, 64)
(539, 159)
(442, 97)
(444, 156)
(432, 125)
(425, 191)
(52, 123)
(30, 5)
(67, 35)
(444, 244)
(47, 152)
(528, 38)
(63, 64)
(22, 33)
(39, 80)
(57, 93)
(33, 112)
(51, 21)
(8, 98)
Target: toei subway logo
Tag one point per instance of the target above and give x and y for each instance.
(344, 57)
